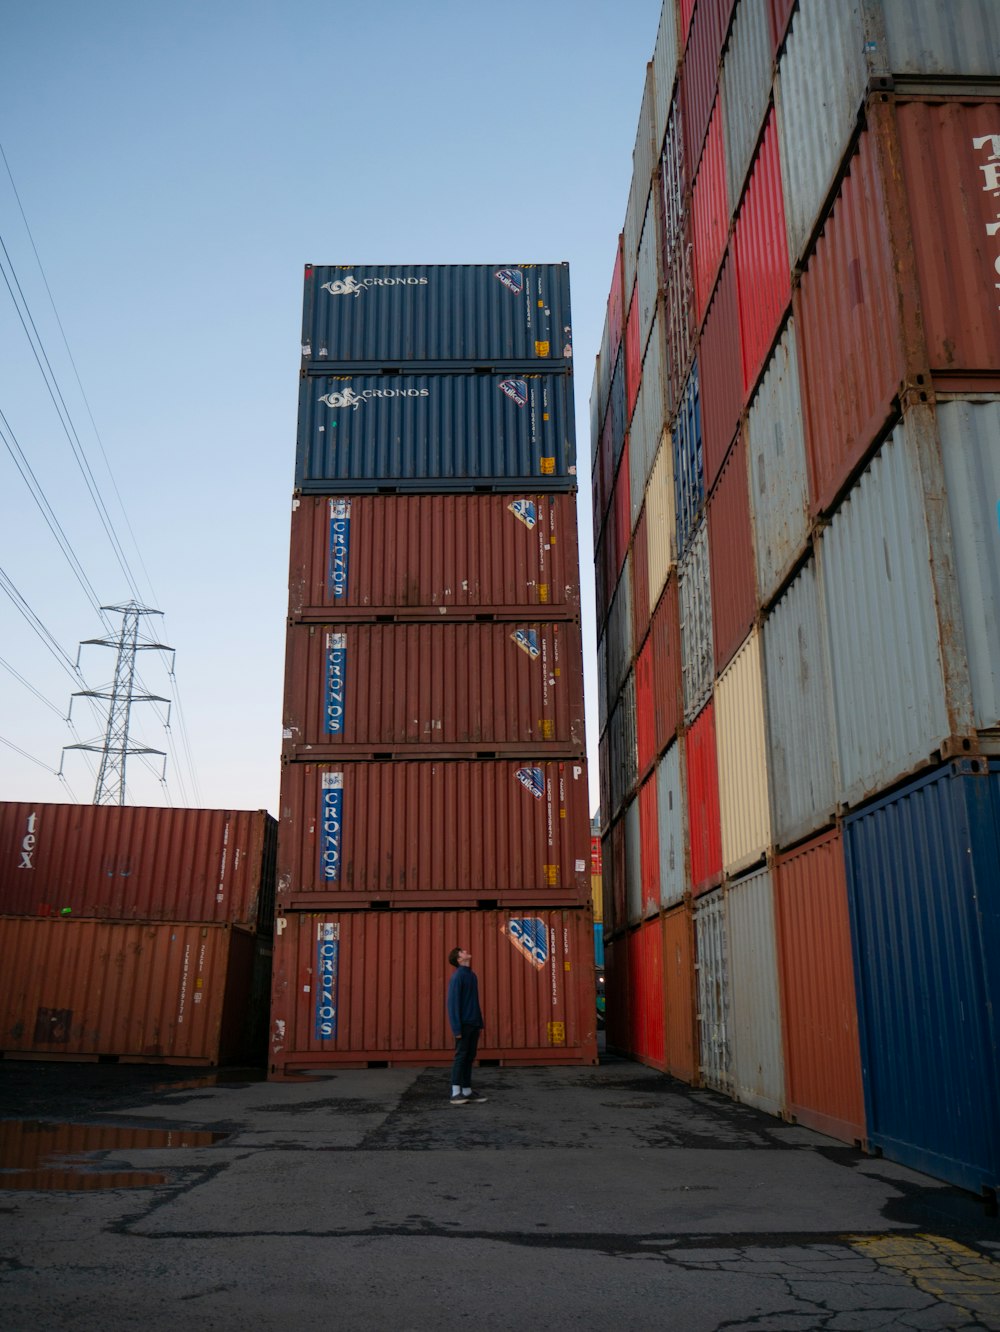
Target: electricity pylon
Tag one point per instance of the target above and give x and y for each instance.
(115, 748)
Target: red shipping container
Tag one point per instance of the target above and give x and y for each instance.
(760, 245)
(818, 1008)
(686, 14)
(618, 880)
(649, 837)
(130, 862)
(143, 993)
(704, 823)
(731, 556)
(414, 833)
(779, 12)
(359, 987)
(851, 354)
(639, 559)
(700, 72)
(616, 299)
(606, 462)
(645, 707)
(633, 358)
(665, 637)
(447, 687)
(408, 554)
(623, 516)
(720, 382)
(710, 207)
(617, 1024)
(646, 996)
(679, 994)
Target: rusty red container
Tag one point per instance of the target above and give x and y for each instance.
(704, 820)
(421, 833)
(408, 555)
(130, 862)
(622, 504)
(679, 993)
(645, 706)
(700, 72)
(447, 687)
(731, 556)
(618, 879)
(633, 358)
(779, 12)
(640, 580)
(646, 995)
(649, 838)
(142, 993)
(665, 636)
(720, 373)
(618, 1024)
(606, 463)
(616, 296)
(354, 988)
(710, 210)
(760, 245)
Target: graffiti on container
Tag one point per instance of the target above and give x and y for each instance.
(516, 390)
(512, 279)
(340, 542)
(530, 937)
(28, 842)
(527, 641)
(350, 286)
(524, 510)
(336, 676)
(533, 781)
(327, 978)
(991, 172)
(331, 819)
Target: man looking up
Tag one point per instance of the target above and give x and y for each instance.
(465, 1018)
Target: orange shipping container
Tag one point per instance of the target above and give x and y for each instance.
(361, 987)
(143, 993)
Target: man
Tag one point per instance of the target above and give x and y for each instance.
(466, 1020)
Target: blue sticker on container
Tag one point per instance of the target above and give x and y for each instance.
(340, 544)
(516, 390)
(336, 680)
(533, 780)
(527, 641)
(331, 821)
(512, 279)
(327, 980)
(530, 937)
(524, 510)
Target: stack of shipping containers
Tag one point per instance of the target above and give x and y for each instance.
(434, 786)
(796, 476)
(133, 934)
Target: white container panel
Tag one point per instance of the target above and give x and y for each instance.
(644, 153)
(623, 752)
(649, 277)
(697, 651)
(960, 37)
(633, 863)
(671, 824)
(661, 522)
(746, 89)
(635, 215)
(664, 69)
(715, 1055)
(648, 422)
(741, 746)
(755, 1005)
(604, 368)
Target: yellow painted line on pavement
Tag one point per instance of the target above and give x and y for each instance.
(950, 1272)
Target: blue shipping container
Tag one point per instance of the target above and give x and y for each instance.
(444, 432)
(599, 945)
(689, 466)
(465, 313)
(923, 873)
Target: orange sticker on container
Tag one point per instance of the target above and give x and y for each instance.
(551, 873)
(547, 466)
(557, 1033)
(542, 348)
(543, 591)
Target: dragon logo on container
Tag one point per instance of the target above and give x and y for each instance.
(346, 287)
(340, 543)
(336, 683)
(527, 641)
(533, 781)
(332, 826)
(530, 937)
(345, 398)
(350, 286)
(524, 511)
(511, 278)
(327, 979)
(516, 390)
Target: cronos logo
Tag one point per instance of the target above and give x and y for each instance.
(350, 286)
(346, 397)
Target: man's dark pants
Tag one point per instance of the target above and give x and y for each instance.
(465, 1052)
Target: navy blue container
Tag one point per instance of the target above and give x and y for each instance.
(923, 873)
(689, 465)
(435, 432)
(599, 944)
(372, 316)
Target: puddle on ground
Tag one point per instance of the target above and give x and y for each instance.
(224, 1077)
(35, 1154)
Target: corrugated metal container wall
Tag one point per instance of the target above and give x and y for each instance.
(633, 359)
(146, 993)
(645, 152)
(762, 273)
(650, 416)
(616, 410)
(950, 153)
(700, 73)
(665, 635)
(778, 478)
(744, 803)
(851, 358)
(924, 891)
(635, 212)
(646, 977)
(661, 517)
(679, 282)
(925, 37)
(720, 373)
(645, 706)
(618, 895)
(730, 544)
(671, 804)
(436, 312)
(621, 503)
(410, 833)
(619, 635)
(716, 1059)
(695, 601)
(758, 1063)
(602, 683)
(357, 986)
(618, 1020)
(689, 467)
(685, 14)
(674, 188)
(602, 372)
(704, 828)
(128, 862)
(679, 992)
(596, 874)
(623, 755)
(638, 561)
(649, 835)
(595, 406)
(969, 431)
(370, 553)
(424, 688)
(647, 283)
(665, 55)
(616, 307)
(606, 462)
(633, 862)
(819, 1011)
(886, 674)
(456, 430)
(779, 12)
(710, 210)
(799, 712)
(745, 84)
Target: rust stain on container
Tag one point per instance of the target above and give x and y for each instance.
(358, 987)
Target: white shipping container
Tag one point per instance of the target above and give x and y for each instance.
(697, 655)
(671, 804)
(645, 152)
(758, 1070)
(715, 1056)
(664, 69)
(661, 521)
(649, 419)
(635, 215)
(746, 88)
(649, 277)
(741, 746)
(623, 752)
(633, 863)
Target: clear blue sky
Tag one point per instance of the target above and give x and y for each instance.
(177, 165)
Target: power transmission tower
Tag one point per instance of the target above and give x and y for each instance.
(121, 694)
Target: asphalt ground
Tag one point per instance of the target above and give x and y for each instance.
(605, 1198)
